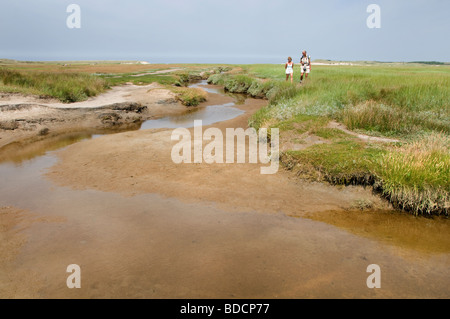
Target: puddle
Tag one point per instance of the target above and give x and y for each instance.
(18, 152)
(209, 115)
(423, 234)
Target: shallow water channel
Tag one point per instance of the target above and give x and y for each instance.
(209, 115)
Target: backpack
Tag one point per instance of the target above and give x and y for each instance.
(309, 60)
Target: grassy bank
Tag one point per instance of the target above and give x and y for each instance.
(383, 100)
(66, 87)
(406, 102)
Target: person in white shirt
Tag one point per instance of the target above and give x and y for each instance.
(305, 62)
(289, 66)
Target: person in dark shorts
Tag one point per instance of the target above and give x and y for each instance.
(305, 62)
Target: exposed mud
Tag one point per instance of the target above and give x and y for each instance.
(122, 108)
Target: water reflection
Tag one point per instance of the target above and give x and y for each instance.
(209, 115)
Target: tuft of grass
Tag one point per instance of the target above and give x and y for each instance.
(343, 162)
(216, 79)
(190, 96)
(416, 177)
(362, 204)
(238, 83)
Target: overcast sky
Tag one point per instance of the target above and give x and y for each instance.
(225, 31)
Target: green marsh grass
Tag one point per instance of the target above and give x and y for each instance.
(190, 96)
(416, 176)
(408, 102)
(67, 87)
(139, 80)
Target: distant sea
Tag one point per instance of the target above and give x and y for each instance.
(172, 59)
(162, 59)
(224, 60)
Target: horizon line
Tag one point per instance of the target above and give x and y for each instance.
(148, 62)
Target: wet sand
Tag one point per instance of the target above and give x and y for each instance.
(150, 247)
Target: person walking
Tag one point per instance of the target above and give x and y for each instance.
(289, 67)
(305, 62)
